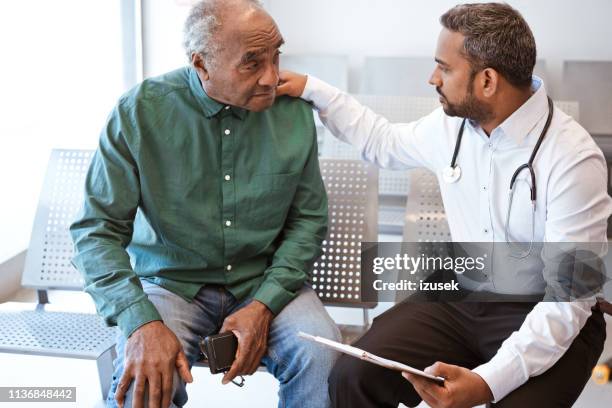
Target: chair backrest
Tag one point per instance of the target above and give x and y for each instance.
(334, 148)
(590, 83)
(400, 108)
(425, 217)
(395, 109)
(389, 182)
(351, 187)
(47, 264)
(353, 203)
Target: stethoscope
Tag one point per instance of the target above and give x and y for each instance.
(452, 174)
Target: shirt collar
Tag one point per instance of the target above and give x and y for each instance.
(523, 120)
(209, 105)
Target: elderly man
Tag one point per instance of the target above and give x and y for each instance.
(204, 210)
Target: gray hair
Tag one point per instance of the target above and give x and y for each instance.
(201, 24)
(496, 36)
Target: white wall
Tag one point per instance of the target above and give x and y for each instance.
(162, 33)
(564, 29)
(60, 74)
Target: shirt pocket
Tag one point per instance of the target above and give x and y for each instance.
(281, 181)
(271, 196)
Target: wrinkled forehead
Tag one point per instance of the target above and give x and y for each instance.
(251, 31)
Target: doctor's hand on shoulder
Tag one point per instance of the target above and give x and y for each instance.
(291, 83)
(462, 388)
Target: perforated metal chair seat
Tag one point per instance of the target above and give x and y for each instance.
(396, 109)
(61, 334)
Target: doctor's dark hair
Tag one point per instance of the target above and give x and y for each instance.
(496, 36)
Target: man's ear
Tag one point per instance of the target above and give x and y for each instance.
(489, 82)
(198, 62)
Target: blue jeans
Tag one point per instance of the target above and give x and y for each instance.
(300, 366)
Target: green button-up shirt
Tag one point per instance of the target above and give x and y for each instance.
(184, 191)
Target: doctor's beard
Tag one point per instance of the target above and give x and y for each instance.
(470, 107)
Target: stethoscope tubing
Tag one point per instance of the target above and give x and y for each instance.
(529, 166)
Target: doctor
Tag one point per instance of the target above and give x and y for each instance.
(513, 354)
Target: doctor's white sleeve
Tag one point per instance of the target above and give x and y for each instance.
(577, 211)
(397, 146)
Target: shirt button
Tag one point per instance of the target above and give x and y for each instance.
(227, 131)
(228, 267)
(228, 177)
(486, 231)
(227, 107)
(484, 188)
(228, 223)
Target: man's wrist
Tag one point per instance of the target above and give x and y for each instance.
(146, 326)
(486, 393)
(260, 306)
(274, 296)
(502, 374)
(136, 315)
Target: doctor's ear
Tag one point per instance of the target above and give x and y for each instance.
(199, 63)
(489, 81)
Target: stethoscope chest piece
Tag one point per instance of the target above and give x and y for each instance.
(451, 174)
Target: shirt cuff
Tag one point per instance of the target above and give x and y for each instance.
(136, 315)
(318, 92)
(274, 296)
(503, 373)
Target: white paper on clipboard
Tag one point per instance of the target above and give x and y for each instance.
(364, 355)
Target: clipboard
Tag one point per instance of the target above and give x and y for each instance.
(369, 357)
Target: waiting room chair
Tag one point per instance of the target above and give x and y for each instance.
(30, 329)
(590, 83)
(425, 219)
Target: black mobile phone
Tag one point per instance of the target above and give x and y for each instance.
(220, 351)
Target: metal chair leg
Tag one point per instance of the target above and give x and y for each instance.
(366, 318)
(105, 369)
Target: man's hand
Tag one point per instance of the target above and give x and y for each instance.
(604, 306)
(250, 325)
(462, 387)
(152, 353)
(291, 84)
